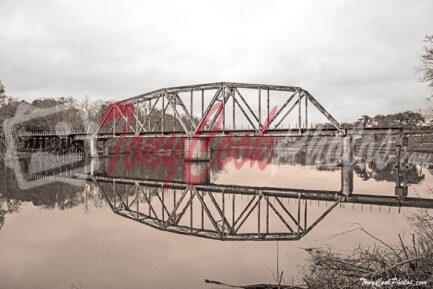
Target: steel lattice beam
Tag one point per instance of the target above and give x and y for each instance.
(222, 93)
(214, 218)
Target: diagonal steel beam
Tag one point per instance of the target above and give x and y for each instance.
(189, 203)
(287, 211)
(278, 214)
(188, 114)
(208, 213)
(248, 214)
(212, 102)
(162, 202)
(226, 96)
(243, 111)
(248, 107)
(161, 118)
(324, 111)
(286, 114)
(318, 220)
(172, 216)
(244, 210)
(120, 197)
(172, 99)
(150, 112)
(150, 206)
(282, 107)
(223, 217)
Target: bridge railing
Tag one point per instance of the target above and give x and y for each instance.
(49, 133)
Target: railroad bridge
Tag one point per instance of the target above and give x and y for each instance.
(195, 112)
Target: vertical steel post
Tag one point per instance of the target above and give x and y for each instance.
(233, 93)
(149, 117)
(202, 103)
(267, 104)
(258, 218)
(192, 106)
(306, 113)
(299, 114)
(191, 210)
(305, 215)
(260, 108)
(163, 204)
(401, 190)
(267, 215)
(202, 212)
(174, 114)
(224, 108)
(233, 211)
(299, 212)
(405, 164)
(397, 165)
(346, 166)
(137, 194)
(224, 211)
(149, 203)
(136, 115)
(163, 112)
(114, 121)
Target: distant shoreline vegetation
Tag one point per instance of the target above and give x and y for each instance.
(94, 110)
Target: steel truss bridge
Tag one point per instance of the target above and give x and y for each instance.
(214, 211)
(241, 108)
(231, 106)
(227, 212)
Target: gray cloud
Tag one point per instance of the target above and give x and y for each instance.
(358, 56)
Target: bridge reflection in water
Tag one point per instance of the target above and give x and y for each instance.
(226, 212)
(220, 211)
(215, 211)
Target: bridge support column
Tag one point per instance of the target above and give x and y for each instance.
(92, 150)
(400, 166)
(196, 169)
(197, 158)
(104, 151)
(92, 146)
(92, 167)
(197, 149)
(347, 167)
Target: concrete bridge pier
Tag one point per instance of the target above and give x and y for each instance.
(400, 166)
(197, 172)
(347, 167)
(104, 151)
(92, 144)
(197, 160)
(91, 148)
(197, 149)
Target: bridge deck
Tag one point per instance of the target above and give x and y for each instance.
(322, 195)
(242, 132)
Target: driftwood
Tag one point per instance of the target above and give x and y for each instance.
(255, 286)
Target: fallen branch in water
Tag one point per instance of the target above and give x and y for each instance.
(255, 286)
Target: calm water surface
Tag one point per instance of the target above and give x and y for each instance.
(60, 236)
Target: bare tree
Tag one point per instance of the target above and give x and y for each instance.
(2, 89)
(426, 66)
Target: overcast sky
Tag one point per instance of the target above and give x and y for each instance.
(359, 57)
